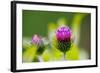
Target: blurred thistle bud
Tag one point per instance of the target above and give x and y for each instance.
(63, 36)
(41, 43)
(36, 40)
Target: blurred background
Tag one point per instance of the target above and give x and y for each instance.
(45, 23)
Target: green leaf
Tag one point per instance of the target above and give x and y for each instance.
(73, 53)
(29, 54)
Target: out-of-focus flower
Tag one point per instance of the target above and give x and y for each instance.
(63, 33)
(37, 40)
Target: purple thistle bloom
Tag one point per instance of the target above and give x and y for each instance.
(36, 40)
(63, 33)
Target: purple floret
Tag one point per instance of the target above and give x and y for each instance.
(63, 33)
(36, 40)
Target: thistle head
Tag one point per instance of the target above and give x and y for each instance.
(40, 43)
(36, 40)
(63, 33)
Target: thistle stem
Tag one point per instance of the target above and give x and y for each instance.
(40, 58)
(64, 56)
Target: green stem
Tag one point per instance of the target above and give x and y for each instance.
(40, 58)
(64, 55)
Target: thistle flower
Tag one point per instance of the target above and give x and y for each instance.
(63, 35)
(36, 40)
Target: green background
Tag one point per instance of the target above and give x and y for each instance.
(36, 22)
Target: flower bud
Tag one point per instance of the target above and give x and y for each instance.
(36, 40)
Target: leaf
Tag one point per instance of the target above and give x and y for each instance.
(73, 53)
(29, 54)
(46, 56)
